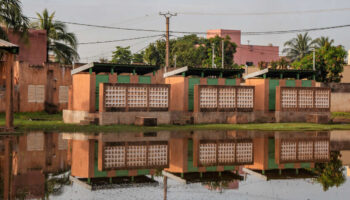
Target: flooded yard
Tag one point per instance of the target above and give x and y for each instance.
(176, 165)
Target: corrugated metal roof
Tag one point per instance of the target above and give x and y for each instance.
(7, 46)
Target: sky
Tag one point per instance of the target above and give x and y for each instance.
(193, 15)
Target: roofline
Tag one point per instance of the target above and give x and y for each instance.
(175, 72)
(255, 74)
(82, 68)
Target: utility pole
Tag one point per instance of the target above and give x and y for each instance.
(213, 56)
(167, 16)
(313, 60)
(222, 51)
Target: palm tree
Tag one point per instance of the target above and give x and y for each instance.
(323, 41)
(298, 47)
(61, 43)
(11, 17)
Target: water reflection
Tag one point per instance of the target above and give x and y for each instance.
(32, 165)
(37, 165)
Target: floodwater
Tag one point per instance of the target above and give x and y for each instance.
(176, 165)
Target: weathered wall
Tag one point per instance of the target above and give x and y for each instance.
(26, 74)
(340, 96)
(32, 51)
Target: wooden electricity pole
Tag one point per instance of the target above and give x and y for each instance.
(9, 90)
(167, 16)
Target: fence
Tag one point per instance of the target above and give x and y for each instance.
(223, 98)
(314, 99)
(129, 155)
(134, 97)
(228, 152)
(304, 151)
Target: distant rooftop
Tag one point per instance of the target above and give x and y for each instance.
(116, 68)
(205, 72)
(282, 73)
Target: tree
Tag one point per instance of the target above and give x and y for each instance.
(330, 174)
(298, 47)
(11, 17)
(61, 43)
(323, 41)
(122, 55)
(216, 43)
(138, 57)
(191, 50)
(103, 60)
(152, 55)
(329, 63)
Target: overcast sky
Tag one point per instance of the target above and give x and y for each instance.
(144, 14)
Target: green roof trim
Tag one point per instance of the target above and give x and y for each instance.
(284, 73)
(116, 68)
(206, 72)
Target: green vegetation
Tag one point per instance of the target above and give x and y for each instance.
(341, 115)
(11, 17)
(122, 55)
(330, 174)
(53, 123)
(191, 50)
(329, 63)
(298, 47)
(61, 43)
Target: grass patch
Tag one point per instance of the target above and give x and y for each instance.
(341, 114)
(53, 123)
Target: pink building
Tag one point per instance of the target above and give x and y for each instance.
(34, 49)
(247, 54)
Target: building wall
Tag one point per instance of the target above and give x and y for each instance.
(83, 92)
(247, 53)
(34, 49)
(346, 73)
(26, 75)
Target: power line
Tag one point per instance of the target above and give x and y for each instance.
(120, 40)
(267, 13)
(203, 33)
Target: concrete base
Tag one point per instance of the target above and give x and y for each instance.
(223, 117)
(145, 121)
(74, 116)
(108, 118)
(291, 116)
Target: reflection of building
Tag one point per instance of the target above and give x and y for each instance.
(208, 157)
(117, 158)
(27, 159)
(283, 155)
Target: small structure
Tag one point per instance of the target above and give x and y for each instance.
(209, 95)
(289, 96)
(116, 94)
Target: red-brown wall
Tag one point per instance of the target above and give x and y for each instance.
(33, 50)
